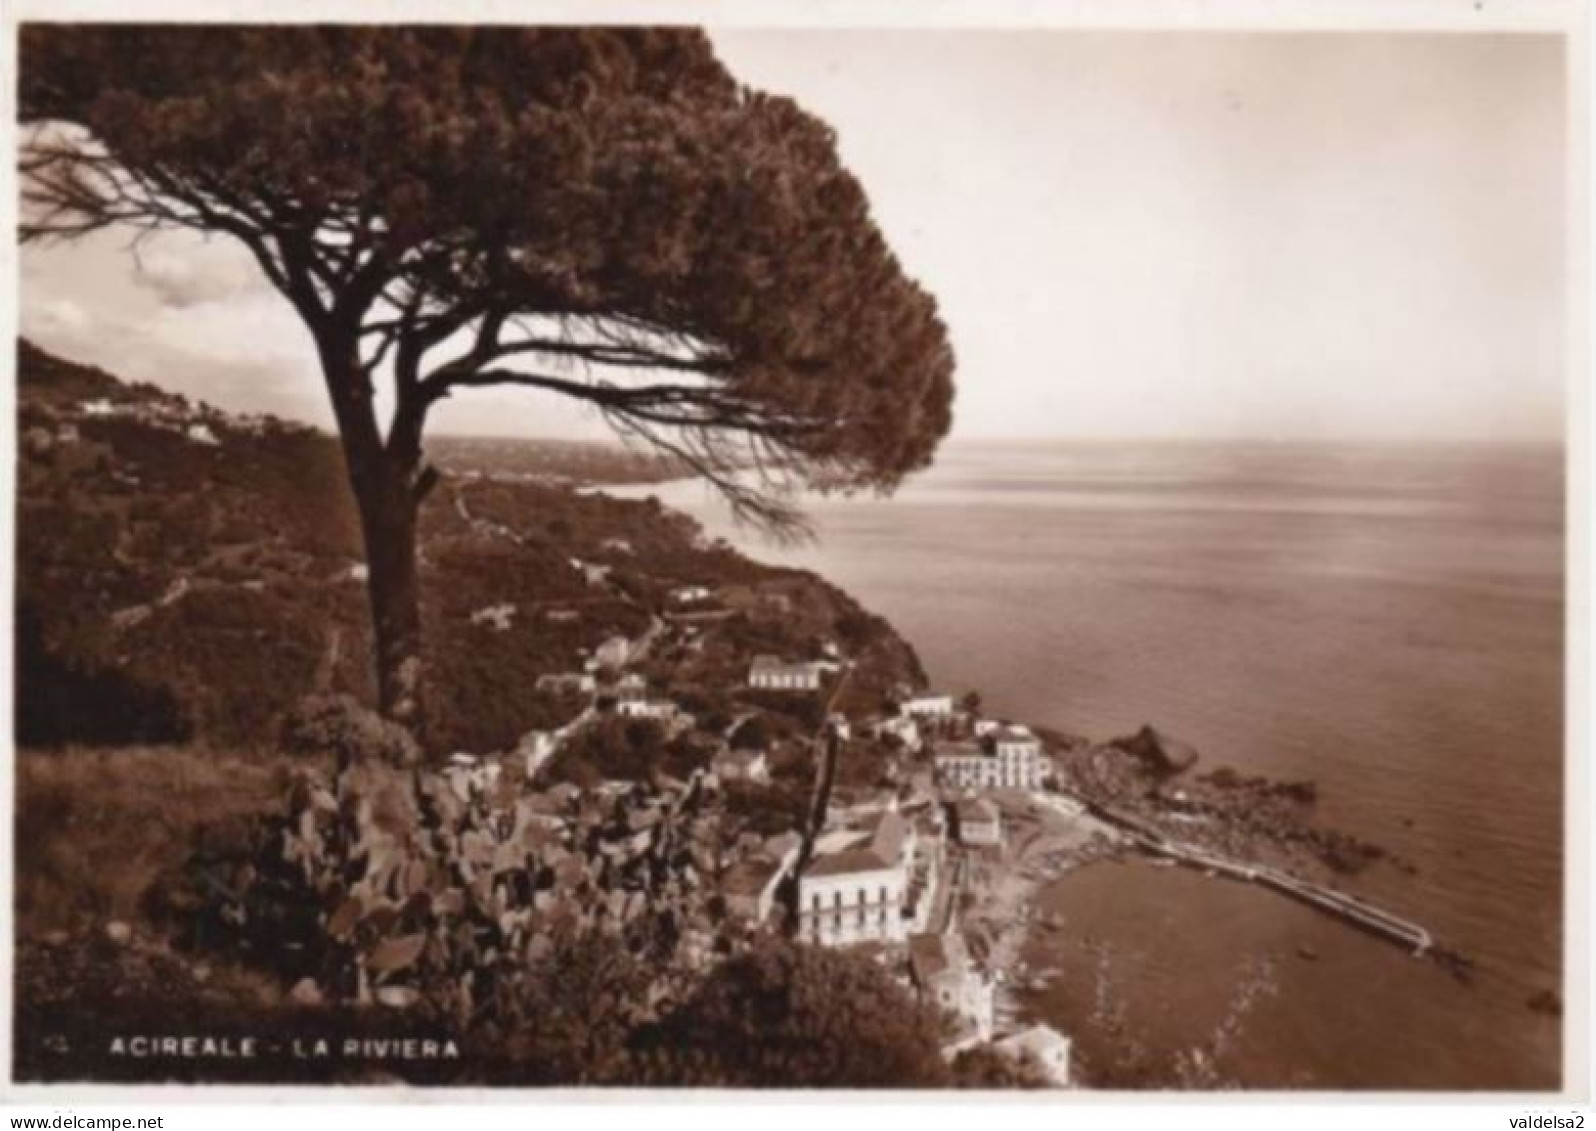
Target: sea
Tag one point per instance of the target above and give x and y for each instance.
(1384, 620)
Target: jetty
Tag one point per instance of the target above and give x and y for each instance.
(1377, 921)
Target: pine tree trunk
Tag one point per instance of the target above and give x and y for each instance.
(388, 522)
(383, 484)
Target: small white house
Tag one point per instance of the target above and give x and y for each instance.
(594, 573)
(660, 710)
(690, 594)
(901, 727)
(536, 747)
(581, 682)
(741, 765)
(1049, 1047)
(749, 887)
(630, 686)
(980, 823)
(928, 707)
(772, 674)
(942, 974)
(497, 617)
(613, 652)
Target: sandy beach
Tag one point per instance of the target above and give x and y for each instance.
(1041, 843)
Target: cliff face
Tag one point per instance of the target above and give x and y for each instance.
(186, 574)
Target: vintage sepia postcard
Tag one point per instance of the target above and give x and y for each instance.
(655, 547)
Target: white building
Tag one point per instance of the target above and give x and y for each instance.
(980, 824)
(901, 727)
(1046, 1045)
(772, 674)
(857, 894)
(660, 710)
(928, 707)
(990, 764)
(942, 975)
(1015, 741)
(690, 594)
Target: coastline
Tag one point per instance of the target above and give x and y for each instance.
(1043, 848)
(1306, 781)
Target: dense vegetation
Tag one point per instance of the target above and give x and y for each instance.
(173, 589)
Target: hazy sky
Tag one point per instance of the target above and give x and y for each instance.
(1200, 234)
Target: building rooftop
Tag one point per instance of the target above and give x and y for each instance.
(783, 843)
(928, 957)
(1012, 732)
(881, 847)
(886, 839)
(750, 877)
(847, 862)
(1039, 1039)
(773, 664)
(961, 748)
(978, 809)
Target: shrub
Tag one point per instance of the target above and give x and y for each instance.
(338, 725)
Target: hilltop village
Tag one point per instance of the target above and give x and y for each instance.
(905, 803)
(636, 729)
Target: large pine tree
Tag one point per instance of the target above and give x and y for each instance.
(600, 213)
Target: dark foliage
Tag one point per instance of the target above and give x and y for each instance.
(61, 701)
(779, 807)
(782, 1015)
(985, 1068)
(619, 749)
(337, 725)
(222, 575)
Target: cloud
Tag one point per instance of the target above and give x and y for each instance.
(197, 275)
(54, 316)
(247, 325)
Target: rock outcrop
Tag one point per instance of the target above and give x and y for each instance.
(1162, 753)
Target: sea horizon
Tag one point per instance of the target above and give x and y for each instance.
(1390, 629)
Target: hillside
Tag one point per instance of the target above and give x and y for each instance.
(189, 575)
